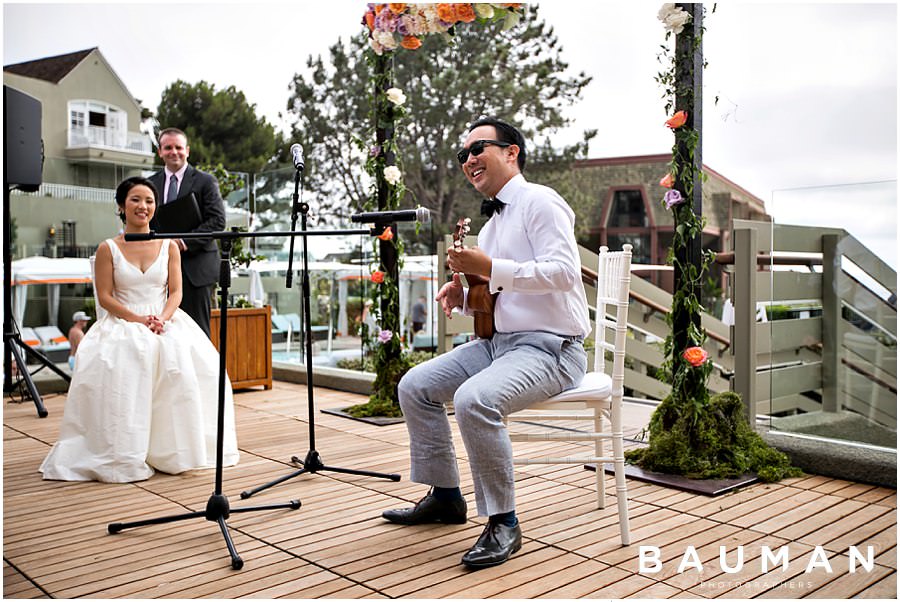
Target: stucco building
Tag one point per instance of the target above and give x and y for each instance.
(90, 130)
(628, 208)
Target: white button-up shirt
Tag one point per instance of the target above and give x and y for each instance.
(536, 265)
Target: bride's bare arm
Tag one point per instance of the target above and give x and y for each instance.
(174, 299)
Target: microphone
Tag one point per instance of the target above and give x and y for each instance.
(297, 156)
(420, 214)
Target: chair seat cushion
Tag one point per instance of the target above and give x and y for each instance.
(596, 385)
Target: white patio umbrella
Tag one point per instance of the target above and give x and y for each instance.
(49, 271)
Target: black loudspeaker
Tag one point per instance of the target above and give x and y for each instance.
(23, 155)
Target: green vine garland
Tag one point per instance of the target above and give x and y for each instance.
(691, 433)
(390, 363)
(390, 27)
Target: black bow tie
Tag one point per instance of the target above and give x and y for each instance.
(489, 206)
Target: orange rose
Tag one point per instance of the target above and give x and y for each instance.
(677, 120)
(388, 234)
(465, 13)
(411, 42)
(397, 9)
(668, 181)
(377, 277)
(695, 356)
(370, 20)
(447, 12)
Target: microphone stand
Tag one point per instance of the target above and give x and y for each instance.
(217, 507)
(312, 463)
(295, 209)
(13, 345)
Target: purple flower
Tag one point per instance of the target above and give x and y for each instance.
(385, 21)
(385, 336)
(672, 198)
(375, 150)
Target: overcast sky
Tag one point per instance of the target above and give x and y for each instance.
(807, 92)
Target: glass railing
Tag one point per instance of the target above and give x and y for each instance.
(830, 345)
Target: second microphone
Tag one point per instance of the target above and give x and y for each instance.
(420, 214)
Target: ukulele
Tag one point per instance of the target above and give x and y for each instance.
(480, 300)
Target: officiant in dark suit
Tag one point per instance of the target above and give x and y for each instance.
(199, 256)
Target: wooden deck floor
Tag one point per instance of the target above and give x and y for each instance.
(55, 542)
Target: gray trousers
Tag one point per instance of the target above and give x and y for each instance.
(486, 379)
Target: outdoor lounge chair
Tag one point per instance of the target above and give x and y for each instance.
(30, 337)
(54, 344)
(599, 393)
(279, 333)
(283, 324)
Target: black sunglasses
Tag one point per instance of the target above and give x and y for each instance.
(477, 148)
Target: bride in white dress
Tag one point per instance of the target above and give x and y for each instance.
(144, 393)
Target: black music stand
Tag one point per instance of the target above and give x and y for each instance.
(217, 507)
(312, 463)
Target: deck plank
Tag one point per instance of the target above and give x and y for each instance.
(338, 546)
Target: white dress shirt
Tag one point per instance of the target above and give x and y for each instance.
(536, 265)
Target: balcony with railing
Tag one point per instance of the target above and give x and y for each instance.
(109, 138)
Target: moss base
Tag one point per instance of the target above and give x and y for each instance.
(375, 407)
(715, 443)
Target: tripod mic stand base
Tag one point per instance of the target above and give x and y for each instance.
(313, 464)
(217, 510)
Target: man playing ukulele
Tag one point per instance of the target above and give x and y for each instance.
(528, 255)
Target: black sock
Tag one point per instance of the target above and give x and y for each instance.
(506, 518)
(446, 494)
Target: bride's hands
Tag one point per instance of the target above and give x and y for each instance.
(154, 323)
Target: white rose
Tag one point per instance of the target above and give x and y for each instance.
(484, 10)
(385, 38)
(396, 96)
(675, 22)
(664, 11)
(392, 174)
(673, 18)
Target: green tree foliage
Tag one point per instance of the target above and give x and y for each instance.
(222, 127)
(518, 75)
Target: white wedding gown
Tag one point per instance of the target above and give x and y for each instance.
(138, 400)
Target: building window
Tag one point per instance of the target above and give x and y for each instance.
(628, 210)
(97, 119)
(640, 253)
(628, 223)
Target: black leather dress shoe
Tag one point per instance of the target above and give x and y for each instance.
(496, 544)
(429, 510)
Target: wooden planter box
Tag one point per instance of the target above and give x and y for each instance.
(249, 345)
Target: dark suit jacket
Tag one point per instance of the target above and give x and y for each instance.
(200, 263)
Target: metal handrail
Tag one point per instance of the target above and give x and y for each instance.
(727, 258)
(589, 276)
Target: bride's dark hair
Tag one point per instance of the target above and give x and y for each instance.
(125, 187)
